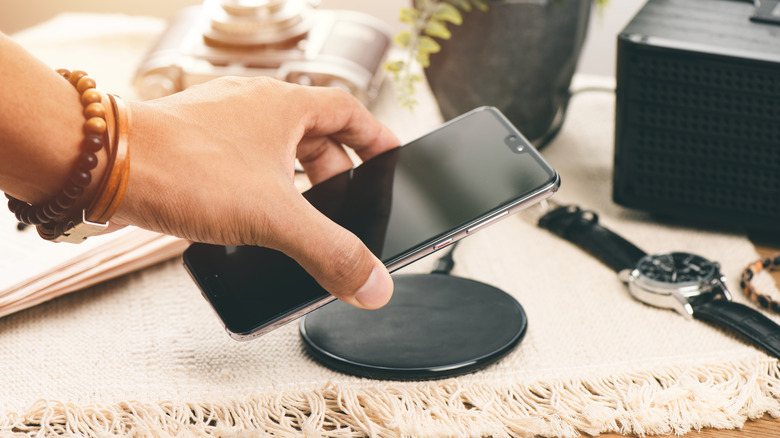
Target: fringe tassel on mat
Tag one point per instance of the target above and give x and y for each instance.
(671, 400)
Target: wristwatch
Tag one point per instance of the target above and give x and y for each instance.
(685, 282)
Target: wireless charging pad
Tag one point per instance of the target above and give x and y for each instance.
(435, 326)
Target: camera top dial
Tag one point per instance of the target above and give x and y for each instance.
(256, 22)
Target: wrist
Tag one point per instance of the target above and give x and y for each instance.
(78, 211)
(146, 192)
(38, 166)
(49, 215)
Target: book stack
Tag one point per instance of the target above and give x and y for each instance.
(33, 270)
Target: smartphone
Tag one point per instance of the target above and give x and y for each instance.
(403, 204)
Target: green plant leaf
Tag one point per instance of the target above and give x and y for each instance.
(447, 12)
(480, 4)
(436, 28)
(403, 39)
(428, 20)
(427, 45)
(409, 15)
(462, 4)
(394, 66)
(423, 59)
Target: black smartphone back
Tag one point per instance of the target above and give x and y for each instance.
(403, 204)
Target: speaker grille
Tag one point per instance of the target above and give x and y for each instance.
(698, 135)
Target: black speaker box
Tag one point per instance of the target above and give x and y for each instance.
(697, 123)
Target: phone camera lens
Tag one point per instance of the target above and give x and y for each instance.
(514, 142)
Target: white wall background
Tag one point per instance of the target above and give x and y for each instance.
(598, 55)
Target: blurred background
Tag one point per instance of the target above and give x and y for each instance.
(598, 55)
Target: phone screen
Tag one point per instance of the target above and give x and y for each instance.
(400, 204)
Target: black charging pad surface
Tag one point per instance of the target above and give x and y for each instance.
(435, 326)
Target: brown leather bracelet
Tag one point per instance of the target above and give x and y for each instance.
(114, 182)
(94, 219)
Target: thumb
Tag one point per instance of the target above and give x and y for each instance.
(335, 257)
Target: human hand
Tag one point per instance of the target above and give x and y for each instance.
(215, 164)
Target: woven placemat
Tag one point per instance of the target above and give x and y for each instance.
(145, 355)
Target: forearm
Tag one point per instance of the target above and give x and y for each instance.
(214, 163)
(41, 127)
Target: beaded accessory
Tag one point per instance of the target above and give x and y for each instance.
(94, 140)
(94, 219)
(772, 264)
(56, 219)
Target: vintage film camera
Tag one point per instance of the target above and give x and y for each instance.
(290, 40)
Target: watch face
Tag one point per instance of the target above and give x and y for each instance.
(677, 268)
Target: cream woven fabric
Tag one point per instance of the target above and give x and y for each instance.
(144, 355)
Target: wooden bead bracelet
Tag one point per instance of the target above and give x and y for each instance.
(56, 219)
(770, 263)
(94, 140)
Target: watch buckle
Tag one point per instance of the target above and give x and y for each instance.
(684, 307)
(714, 290)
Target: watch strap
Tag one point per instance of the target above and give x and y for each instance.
(745, 320)
(582, 228)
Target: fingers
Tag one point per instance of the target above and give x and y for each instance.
(336, 258)
(335, 113)
(325, 158)
(233, 142)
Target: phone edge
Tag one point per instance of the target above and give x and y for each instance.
(422, 251)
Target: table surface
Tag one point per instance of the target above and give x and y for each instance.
(761, 428)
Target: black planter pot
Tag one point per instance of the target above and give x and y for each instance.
(518, 56)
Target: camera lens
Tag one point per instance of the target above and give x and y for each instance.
(514, 142)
